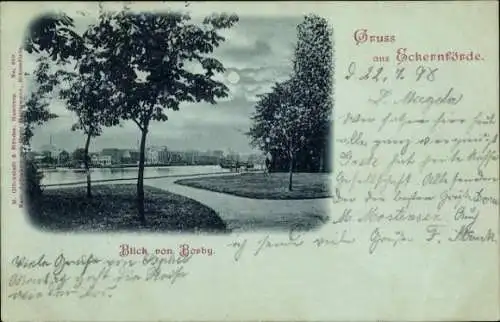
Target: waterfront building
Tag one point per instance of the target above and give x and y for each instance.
(50, 150)
(175, 157)
(164, 156)
(101, 160)
(152, 156)
(157, 155)
(114, 154)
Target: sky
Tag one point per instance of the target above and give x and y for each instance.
(257, 52)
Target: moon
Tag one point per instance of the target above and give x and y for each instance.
(233, 77)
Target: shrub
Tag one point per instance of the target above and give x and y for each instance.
(32, 181)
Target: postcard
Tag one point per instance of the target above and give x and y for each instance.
(250, 161)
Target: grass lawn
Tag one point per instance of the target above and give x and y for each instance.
(261, 186)
(114, 208)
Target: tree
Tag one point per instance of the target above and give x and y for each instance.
(47, 158)
(53, 35)
(311, 89)
(313, 69)
(35, 113)
(78, 155)
(149, 58)
(63, 157)
(89, 96)
(281, 123)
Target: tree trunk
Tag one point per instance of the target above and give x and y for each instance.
(290, 173)
(140, 177)
(87, 167)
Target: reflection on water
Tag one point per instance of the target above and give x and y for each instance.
(64, 175)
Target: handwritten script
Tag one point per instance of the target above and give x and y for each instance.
(415, 164)
(416, 159)
(88, 276)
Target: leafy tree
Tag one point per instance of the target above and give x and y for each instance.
(313, 69)
(281, 123)
(53, 35)
(89, 96)
(64, 157)
(86, 94)
(310, 91)
(32, 184)
(35, 112)
(78, 155)
(48, 159)
(149, 58)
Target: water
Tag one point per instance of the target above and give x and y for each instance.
(63, 175)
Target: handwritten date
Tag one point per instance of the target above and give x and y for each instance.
(380, 74)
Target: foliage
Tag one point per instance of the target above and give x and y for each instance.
(304, 103)
(281, 122)
(149, 59)
(313, 69)
(35, 111)
(52, 36)
(159, 46)
(313, 66)
(64, 157)
(55, 35)
(89, 96)
(32, 182)
(48, 159)
(78, 155)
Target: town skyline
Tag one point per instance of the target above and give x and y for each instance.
(223, 151)
(94, 147)
(50, 156)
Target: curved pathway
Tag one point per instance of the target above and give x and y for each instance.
(243, 214)
(247, 214)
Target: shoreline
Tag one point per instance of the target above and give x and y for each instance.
(123, 166)
(133, 167)
(135, 178)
